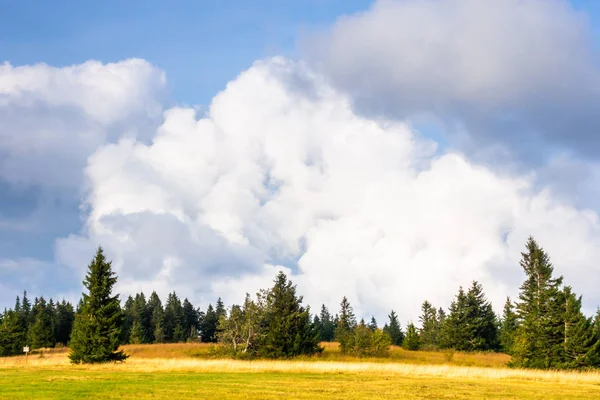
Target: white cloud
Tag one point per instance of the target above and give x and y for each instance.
(53, 118)
(510, 71)
(282, 170)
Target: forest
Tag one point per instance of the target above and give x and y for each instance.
(543, 328)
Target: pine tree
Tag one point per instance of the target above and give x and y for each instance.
(208, 327)
(373, 324)
(288, 329)
(64, 322)
(454, 333)
(482, 325)
(141, 318)
(137, 334)
(429, 331)
(345, 325)
(580, 342)
(41, 332)
(190, 321)
(173, 319)
(128, 317)
(411, 340)
(508, 327)
(155, 311)
(539, 337)
(327, 325)
(394, 330)
(12, 335)
(97, 327)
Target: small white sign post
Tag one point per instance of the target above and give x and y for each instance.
(26, 351)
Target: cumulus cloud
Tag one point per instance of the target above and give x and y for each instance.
(514, 73)
(53, 118)
(282, 173)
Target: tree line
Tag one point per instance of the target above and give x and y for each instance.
(544, 328)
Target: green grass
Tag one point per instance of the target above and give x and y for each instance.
(188, 371)
(85, 384)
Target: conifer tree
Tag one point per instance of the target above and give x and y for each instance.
(429, 331)
(41, 332)
(12, 335)
(155, 311)
(173, 319)
(288, 329)
(208, 327)
(539, 337)
(97, 327)
(327, 325)
(411, 340)
(64, 322)
(345, 325)
(128, 317)
(580, 343)
(141, 319)
(373, 324)
(394, 330)
(508, 327)
(190, 321)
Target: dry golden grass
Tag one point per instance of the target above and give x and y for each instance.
(180, 358)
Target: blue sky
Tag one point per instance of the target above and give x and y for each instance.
(200, 44)
(517, 125)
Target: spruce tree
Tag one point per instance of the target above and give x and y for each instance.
(65, 315)
(508, 327)
(12, 335)
(190, 321)
(429, 326)
(411, 340)
(327, 325)
(394, 330)
(128, 317)
(539, 337)
(41, 332)
(288, 328)
(155, 311)
(208, 327)
(373, 324)
(580, 342)
(97, 327)
(345, 325)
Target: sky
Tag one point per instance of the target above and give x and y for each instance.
(389, 151)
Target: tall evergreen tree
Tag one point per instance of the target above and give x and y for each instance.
(128, 317)
(327, 332)
(208, 327)
(411, 340)
(155, 311)
(141, 320)
(12, 335)
(64, 322)
(173, 319)
(345, 325)
(289, 331)
(97, 327)
(429, 331)
(373, 324)
(190, 321)
(539, 337)
(394, 330)
(41, 332)
(580, 344)
(508, 327)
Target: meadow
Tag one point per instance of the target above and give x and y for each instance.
(186, 371)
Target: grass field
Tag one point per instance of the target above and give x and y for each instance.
(186, 371)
